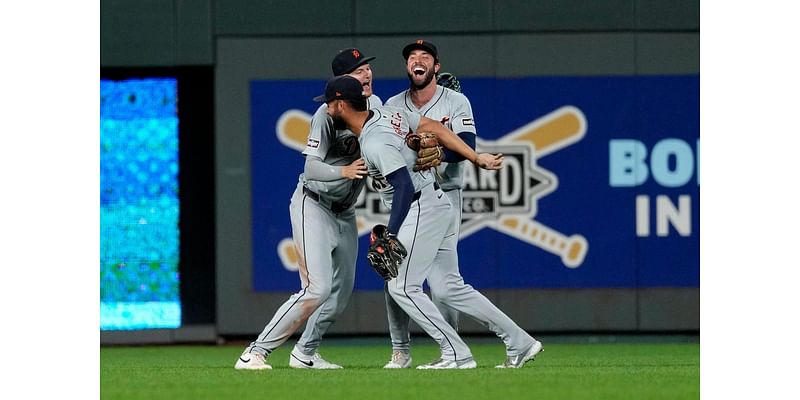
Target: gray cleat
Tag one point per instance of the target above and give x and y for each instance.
(300, 360)
(400, 359)
(520, 359)
(252, 361)
(469, 363)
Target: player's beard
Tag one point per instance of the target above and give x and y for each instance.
(338, 123)
(425, 82)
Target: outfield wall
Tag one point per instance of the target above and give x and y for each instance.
(628, 69)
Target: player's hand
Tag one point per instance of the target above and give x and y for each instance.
(355, 170)
(489, 161)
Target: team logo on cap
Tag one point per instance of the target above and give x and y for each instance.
(356, 54)
(420, 41)
(504, 200)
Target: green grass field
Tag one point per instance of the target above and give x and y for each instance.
(562, 371)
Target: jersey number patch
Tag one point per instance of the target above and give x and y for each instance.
(379, 183)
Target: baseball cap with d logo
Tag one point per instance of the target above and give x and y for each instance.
(348, 60)
(421, 44)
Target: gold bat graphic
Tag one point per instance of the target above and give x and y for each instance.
(547, 134)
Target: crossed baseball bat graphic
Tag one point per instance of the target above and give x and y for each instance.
(554, 131)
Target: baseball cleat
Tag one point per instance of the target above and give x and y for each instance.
(400, 359)
(252, 360)
(519, 360)
(300, 360)
(469, 363)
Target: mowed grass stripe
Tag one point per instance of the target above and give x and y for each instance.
(563, 371)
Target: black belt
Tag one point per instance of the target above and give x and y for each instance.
(334, 206)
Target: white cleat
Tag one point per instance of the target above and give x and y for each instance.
(519, 360)
(400, 359)
(252, 360)
(300, 360)
(450, 364)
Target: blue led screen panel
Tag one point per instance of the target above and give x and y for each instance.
(139, 206)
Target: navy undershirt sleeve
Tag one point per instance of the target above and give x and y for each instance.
(453, 157)
(401, 199)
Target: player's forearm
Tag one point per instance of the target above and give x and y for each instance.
(453, 157)
(447, 138)
(316, 169)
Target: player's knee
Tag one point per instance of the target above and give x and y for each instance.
(439, 294)
(455, 285)
(319, 291)
(393, 291)
(403, 291)
(342, 298)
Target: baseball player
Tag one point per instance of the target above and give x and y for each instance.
(421, 215)
(324, 231)
(448, 291)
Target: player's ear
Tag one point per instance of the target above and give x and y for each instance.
(436, 68)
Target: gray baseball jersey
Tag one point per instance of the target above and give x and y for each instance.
(455, 111)
(335, 148)
(449, 293)
(325, 235)
(389, 151)
(423, 231)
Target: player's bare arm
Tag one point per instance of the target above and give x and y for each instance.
(450, 140)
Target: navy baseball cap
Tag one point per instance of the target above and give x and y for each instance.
(421, 44)
(343, 87)
(348, 60)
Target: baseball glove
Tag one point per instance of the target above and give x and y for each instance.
(449, 81)
(385, 253)
(429, 153)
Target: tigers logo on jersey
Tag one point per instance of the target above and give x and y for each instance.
(347, 146)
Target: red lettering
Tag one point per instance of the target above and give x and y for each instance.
(397, 123)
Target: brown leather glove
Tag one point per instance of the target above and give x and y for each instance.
(429, 153)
